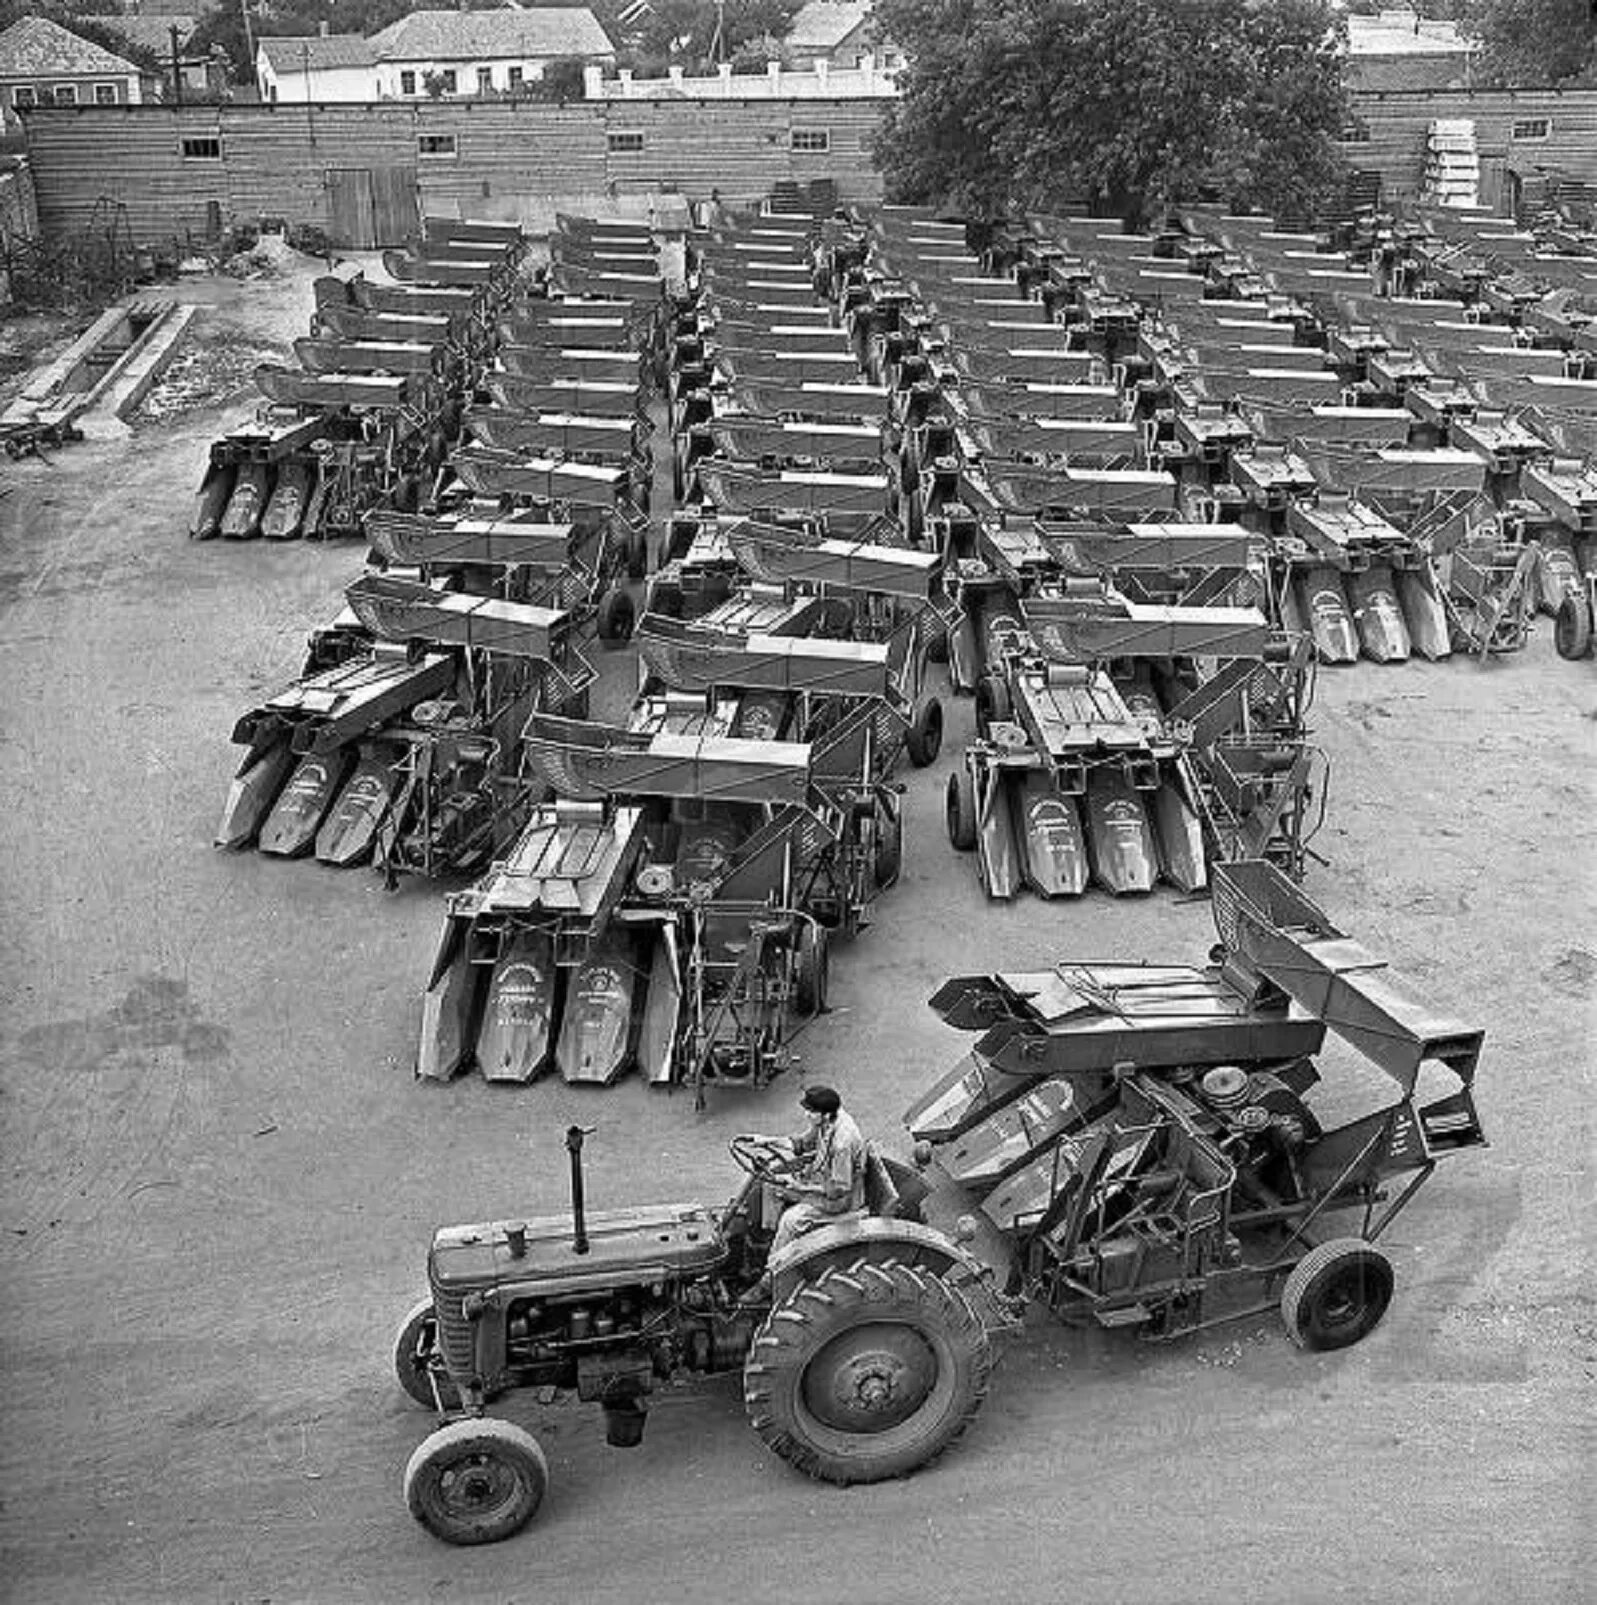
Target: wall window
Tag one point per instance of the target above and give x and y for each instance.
(451, 80)
(105, 94)
(23, 95)
(66, 94)
(436, 145)
(202, 148)
(1532, 128)
(485, 80)
(515, 78)
(407, 83)
(812, 139)
(624, 142)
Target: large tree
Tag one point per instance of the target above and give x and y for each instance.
(1540, 44)
(1123, 103)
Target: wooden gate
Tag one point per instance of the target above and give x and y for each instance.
(371, 207)
(351, 210)
(394, 197)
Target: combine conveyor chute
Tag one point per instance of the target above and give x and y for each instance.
(1075, 439)
(586, 760)
(546, 363)
(341, 357)
(412, 299)
(699, 657)
(812, 399)
(349, 322)
(1092, 549)
(416, 540)
(291, 387)
(563, 394)
(542, 479)
(1081, 402)
(779, 555)
(1269, 927)
(407, 610)
(551, 434)
(733, 489)
(1114, 493)
(1086, 630)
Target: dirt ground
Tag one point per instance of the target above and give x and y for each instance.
(219, 1177)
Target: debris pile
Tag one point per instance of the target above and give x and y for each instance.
(205, 374)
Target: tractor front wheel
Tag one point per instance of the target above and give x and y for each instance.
(867, 1372)
(415, 1345)
(1572, 628)
(476, 1481)
(1337, 1294)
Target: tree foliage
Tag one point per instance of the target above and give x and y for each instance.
(1122, 103)
(224, 26)
(682, 33)
(1541, 44)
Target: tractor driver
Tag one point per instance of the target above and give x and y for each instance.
(830, 1180)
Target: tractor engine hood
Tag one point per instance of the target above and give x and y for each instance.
(625, 1248)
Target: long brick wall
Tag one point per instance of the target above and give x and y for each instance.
(475, 158)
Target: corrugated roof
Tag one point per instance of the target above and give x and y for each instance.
(1402, 33)
(39, 48)
(540, 32)
(825, 24)
(291, 53)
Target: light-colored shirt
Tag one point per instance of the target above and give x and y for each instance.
(836, 1164)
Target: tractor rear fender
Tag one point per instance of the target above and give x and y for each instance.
(879, 1240)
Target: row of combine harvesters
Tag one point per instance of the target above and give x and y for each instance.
(400, 743)
(1134, 489)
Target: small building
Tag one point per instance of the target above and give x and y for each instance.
(44, 64)
(483, 52)
(840, 33)
(1403, 50)
(295, 69)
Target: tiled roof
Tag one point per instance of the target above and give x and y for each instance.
(291, 53)
(538, 32)
(35, 47)
(825, 24)
(1402, 33)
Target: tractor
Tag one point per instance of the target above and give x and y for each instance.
(864, 1356)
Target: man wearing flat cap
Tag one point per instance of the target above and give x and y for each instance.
(829, 1179)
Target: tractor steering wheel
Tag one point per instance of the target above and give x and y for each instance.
(764, 1158)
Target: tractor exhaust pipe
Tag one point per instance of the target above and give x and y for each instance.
(579, 1220)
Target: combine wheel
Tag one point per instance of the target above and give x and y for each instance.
(812, 966)
(617, 615)
(992, 702)
(925, 738)
(637, 554)
(959, 805)
(866, 1372)
(889, 847)
(416, 1342)
(476, 1481)
(1336, 1294)
(1572, 628)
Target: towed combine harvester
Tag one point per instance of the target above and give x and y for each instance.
(1137, 1148)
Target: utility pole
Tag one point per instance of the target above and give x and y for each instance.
(249, 37)
(177, 69)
